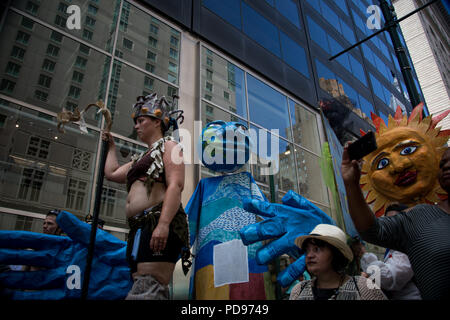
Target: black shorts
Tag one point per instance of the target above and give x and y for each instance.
(142, 229)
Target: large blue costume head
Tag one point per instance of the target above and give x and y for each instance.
(225, 146)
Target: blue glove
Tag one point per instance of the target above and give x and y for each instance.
(64, 259)
(295, 217)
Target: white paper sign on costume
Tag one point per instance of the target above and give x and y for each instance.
(230, 260)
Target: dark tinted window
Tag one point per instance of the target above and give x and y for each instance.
(289, 9)
(229, 10)
(260, 29)
(294, 54)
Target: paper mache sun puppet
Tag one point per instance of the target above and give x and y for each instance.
(229, 217)
(404, 167)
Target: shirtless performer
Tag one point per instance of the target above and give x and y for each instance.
(155, 179)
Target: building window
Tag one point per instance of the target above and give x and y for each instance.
(32, 8)
(23, 223)
(17, 53)
(173, 53)
(152, 42)
(76, 194)
(209, 86)
(2, 121)
(56, 36)
(52, 50)
(31, 184)
(71, 107)
(27, 23)
(84, 49)
(150, 67)
(148, 82)
(7, 86)
(171, 91)
(151, 56)
(226, 95)
(12, 69)
(209, 62)
(80, 62)
(62, 7)
(210, 110)
(60, 21)
(44, 81)
(74, 92)
(48, 65)
(38, 147)
(124, 17)
(41, 95)
(209, 74)
(90, 22)
(173, 67)
(154, 29)
(77, 76)
(171, 78)
(127, 44)
(174, 41)
(22, 37)
(92, 9)
(87, 34)
(108, 202)
(81, 159)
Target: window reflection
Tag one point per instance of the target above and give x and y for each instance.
(311, 182)
(97, 22)
(229, 10)
(17, 222)
(342, 92)
(127, 84)
(223, 83)
(267, 107)
(294, 54)
(304, 127)
(149, 43)
(272, 155)
(43, 169)
(211, 113)
(289, 9)
(260, 29)
(52, 74)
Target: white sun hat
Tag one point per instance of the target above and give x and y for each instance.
(330, 234)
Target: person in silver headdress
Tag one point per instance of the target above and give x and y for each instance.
(155, 179)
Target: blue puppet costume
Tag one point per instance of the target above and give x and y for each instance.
(226, 230)
(64, 260)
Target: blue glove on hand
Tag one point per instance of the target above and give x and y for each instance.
(64, 260)
(295, 217)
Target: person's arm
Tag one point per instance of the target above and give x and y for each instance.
(361, 214)
(174, 171)
(387, 232)
(113, 171)
(398, 272)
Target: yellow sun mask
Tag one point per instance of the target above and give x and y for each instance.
(405, 166)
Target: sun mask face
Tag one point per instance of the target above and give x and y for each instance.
(405, 166)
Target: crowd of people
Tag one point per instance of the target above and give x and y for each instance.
(417, 238)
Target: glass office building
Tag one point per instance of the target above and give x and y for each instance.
(264, 63)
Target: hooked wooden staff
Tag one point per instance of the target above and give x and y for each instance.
(63, 118)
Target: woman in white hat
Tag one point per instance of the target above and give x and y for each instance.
(326, 256)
